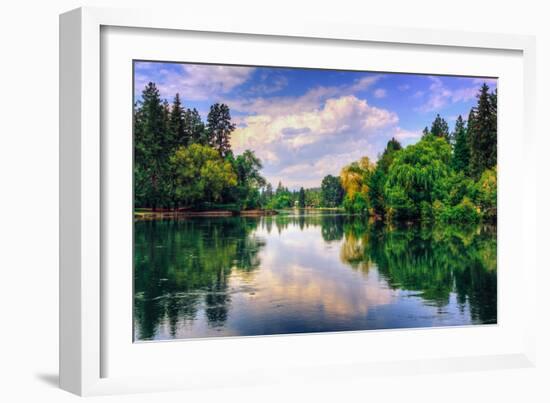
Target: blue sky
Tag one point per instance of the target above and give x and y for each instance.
(307, 123)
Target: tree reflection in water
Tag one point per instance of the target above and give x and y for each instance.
(433, 261)
(183, 268)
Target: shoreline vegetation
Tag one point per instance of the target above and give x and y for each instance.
(185, 167)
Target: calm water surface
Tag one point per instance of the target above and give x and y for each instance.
(302, 272)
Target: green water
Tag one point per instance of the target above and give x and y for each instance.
(303, 272)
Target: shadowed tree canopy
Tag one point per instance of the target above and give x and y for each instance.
(461, 152)
(332, 192)
(302, 198)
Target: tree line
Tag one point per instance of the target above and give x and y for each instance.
(446, 176)
(182, 162)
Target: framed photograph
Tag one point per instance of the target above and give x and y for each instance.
(301, 202)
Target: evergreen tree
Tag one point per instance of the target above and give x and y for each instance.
(177, 124)
(387, 156)
(302, 198)
(440, 128)
(194, 127)
(269, 191)
(461, 151)
(150, 119)
(483, 140)
(220, 128)
(425, 132)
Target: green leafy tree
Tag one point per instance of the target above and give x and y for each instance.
(355, 181)
(414, 174)
(220, 127)
(486, 194)
(249, 180)
(200, 174)
(377, 180)
(314, 197)
(332, 192)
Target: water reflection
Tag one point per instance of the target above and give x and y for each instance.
(203, 277)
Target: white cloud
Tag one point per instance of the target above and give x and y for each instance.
(406, 136)
(268, 86)
(199, 82)
(404, 87)
(362, 84)
(311, 100)
(343, 115)
(380, 93)
(303, 145)
(310, 174)
(440, 96)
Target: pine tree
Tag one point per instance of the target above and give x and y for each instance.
(483, 140)
(194, 127)
(220, 128)
(440, 128)
(279, 189)
(302, 198)
(149, 131)
(461, 151)
(177, 124)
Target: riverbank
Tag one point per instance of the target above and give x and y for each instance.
(146, 214)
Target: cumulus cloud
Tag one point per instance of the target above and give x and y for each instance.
(346, 114)
(303, 145)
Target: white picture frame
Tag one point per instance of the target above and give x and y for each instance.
(86, 345)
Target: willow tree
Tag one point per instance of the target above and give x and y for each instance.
(355, 182)
(414, 177)
(377, 180)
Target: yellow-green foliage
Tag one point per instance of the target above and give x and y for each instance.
(200, 174)
(486, 193)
